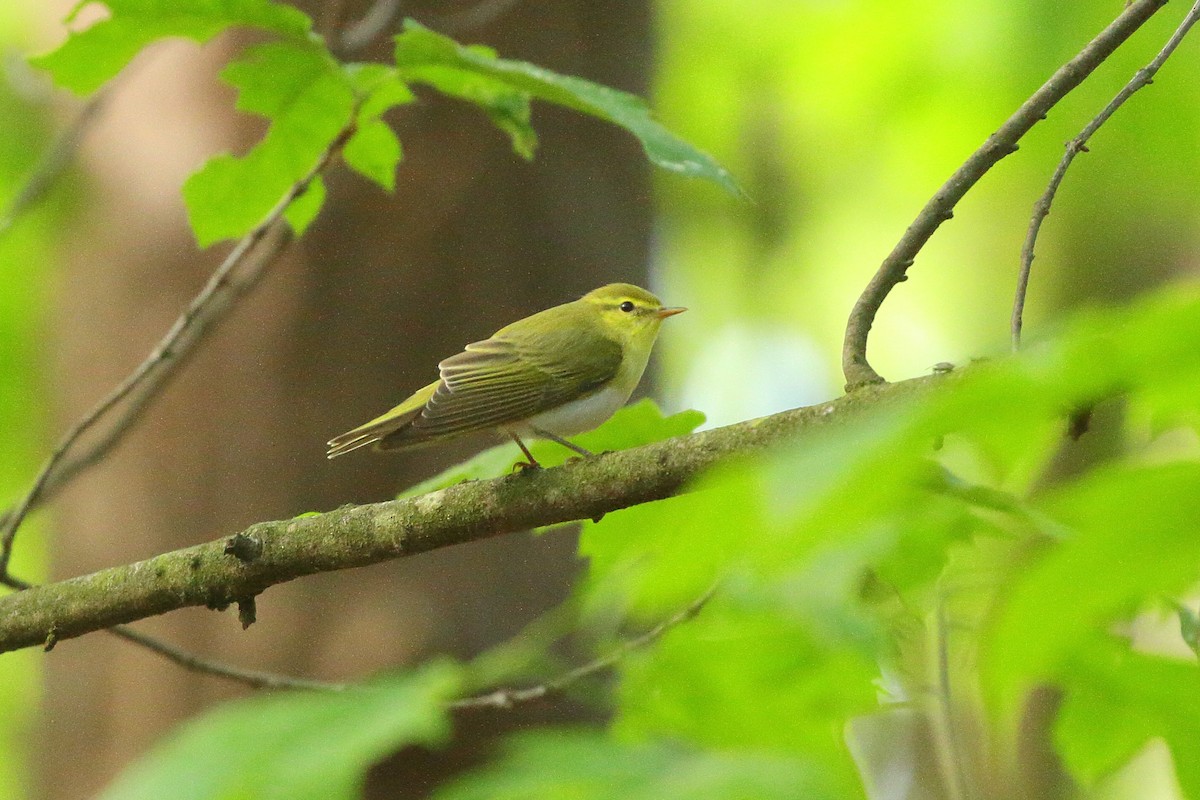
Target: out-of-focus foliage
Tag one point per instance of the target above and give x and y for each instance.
(928, 561)
(567, 765)
(834, 558)
(311, 97)
(840, 120)
(26, 258)
(305, 747)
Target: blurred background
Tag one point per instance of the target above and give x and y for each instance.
(839, 117)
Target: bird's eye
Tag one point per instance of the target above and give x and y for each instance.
(626, 306)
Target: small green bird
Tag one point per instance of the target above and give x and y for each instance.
(559, 372)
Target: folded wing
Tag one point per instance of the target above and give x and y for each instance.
(503, 380)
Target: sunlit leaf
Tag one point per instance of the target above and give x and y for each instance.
(309, 101)
(89, 58)
(373, 150)
(304, 209)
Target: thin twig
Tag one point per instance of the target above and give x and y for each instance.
(199, 318)
(53, 162)
(248, 677)
(940, 207)
(1041, 208)
(482, 13)
(503, 698)
(369, 27)
(507, 698)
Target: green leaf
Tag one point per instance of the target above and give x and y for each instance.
(89, 58)
(309, 100)
(569, 764)
(294, 746)
(632, 426)
(304, 209)
(424, 56)
(380, 87)
(1117, 701)
(705, 682)
(1132, 537)
(373, 152)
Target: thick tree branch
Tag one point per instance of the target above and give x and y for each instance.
(940, 207)
(354, 536)
(1144, 77)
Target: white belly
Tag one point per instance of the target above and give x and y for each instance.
(581, 415)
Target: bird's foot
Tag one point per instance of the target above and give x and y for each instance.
(526, 466)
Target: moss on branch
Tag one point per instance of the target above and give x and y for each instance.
(236, 568)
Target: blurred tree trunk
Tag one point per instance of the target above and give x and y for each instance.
(353, 317)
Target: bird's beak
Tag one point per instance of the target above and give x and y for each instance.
(663, 313)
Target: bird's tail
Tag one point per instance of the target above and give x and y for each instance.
(377, 429)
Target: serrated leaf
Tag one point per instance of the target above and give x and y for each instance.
(427, 57)
(373, 152)
(294, 746)
(567, 764)
(89, 58)
(634, 425)
(309, 101)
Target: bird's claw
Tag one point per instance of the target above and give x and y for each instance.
(525, 466)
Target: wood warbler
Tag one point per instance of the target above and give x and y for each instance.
(559, 372)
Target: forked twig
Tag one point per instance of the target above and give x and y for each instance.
(1041, 209)
(939, 208)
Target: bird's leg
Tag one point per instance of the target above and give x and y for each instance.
(554, 437)
(532, 463)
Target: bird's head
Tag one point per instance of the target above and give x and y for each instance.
(628, 313)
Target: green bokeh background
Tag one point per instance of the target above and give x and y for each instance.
(27, 268)
(840, 119)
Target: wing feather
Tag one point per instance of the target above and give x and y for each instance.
(502, 380)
